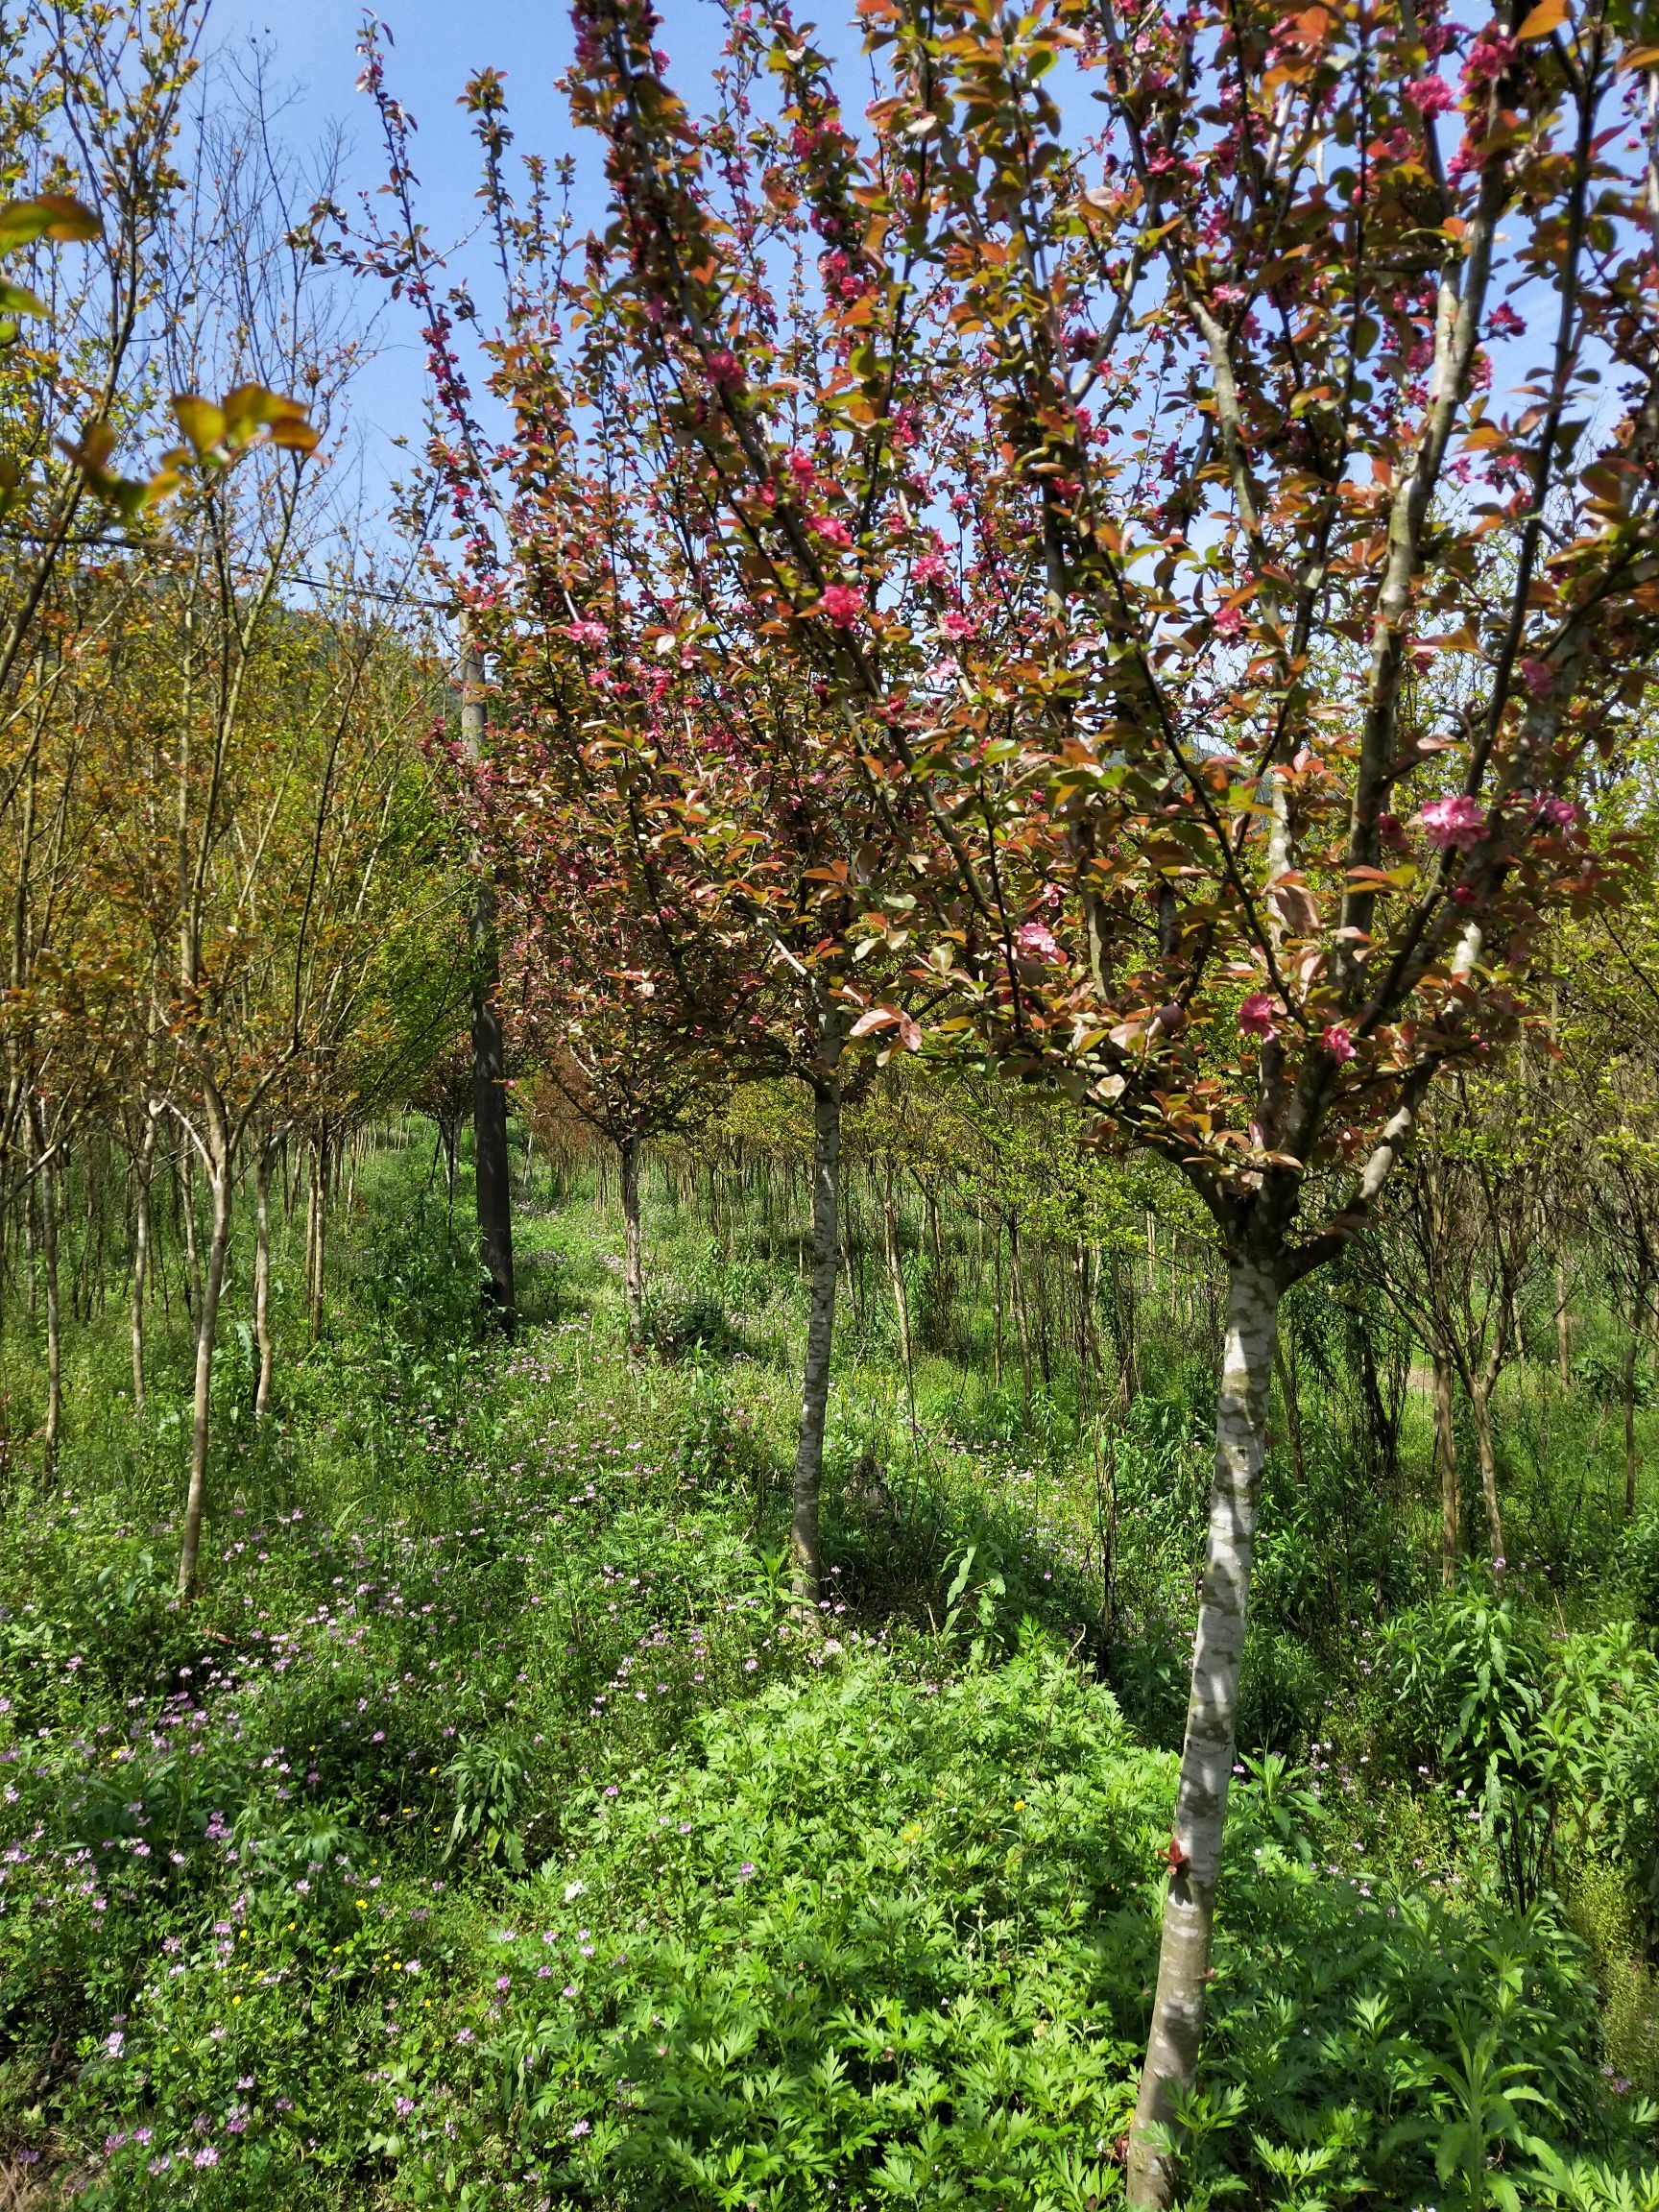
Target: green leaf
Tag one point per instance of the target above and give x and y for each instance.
(48, 215)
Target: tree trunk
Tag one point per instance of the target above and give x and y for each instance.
(1632, 1353)
(633, 1272)
(1043, 1359)
(996, 1303)
(144, 1165)
(896, 1280)
(207, 1334)
(185, 1184)
(1125, 1306)
(1211, 1720)
(1630, 1381)
(1446, 1451)
(1563, 1326)
(1022, 1323)
(317, 1239)
(54, 1312)
(820, 1321)
(1480, 1389)
(492, 1179)
(1088, 1338)
(262, 1278)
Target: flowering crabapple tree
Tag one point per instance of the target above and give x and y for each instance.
(1228, 543)
(1217, 544)
(658, 712)
(582, 977)
(688, 915)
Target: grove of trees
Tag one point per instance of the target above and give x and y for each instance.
(1017, 681)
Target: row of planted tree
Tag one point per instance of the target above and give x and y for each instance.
(1129, 608)
(1074, 561)
(993, 1232)
(230, 931)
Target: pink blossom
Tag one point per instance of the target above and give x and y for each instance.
(1431, 95)
(1453, 821)
(843, 605)
(928, 570)
(725, 369)
(802, 467)
(1035, 941)
(831, 529)
(1488, 58)
(1540, 677)
(584, 632)
(1338, 1041)
(1229, 623)
(960, 626)
(1559, 813)
(1256, 1016)
(1505, 322)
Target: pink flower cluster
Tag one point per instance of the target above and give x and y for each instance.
(1558, 813)
(1488, 58)
(1452, 823)
(843, 603)
(1431, 95)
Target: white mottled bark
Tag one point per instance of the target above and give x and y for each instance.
(1211, 1718)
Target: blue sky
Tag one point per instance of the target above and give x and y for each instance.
(311, 50)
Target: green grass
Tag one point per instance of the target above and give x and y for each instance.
(490, 1834)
